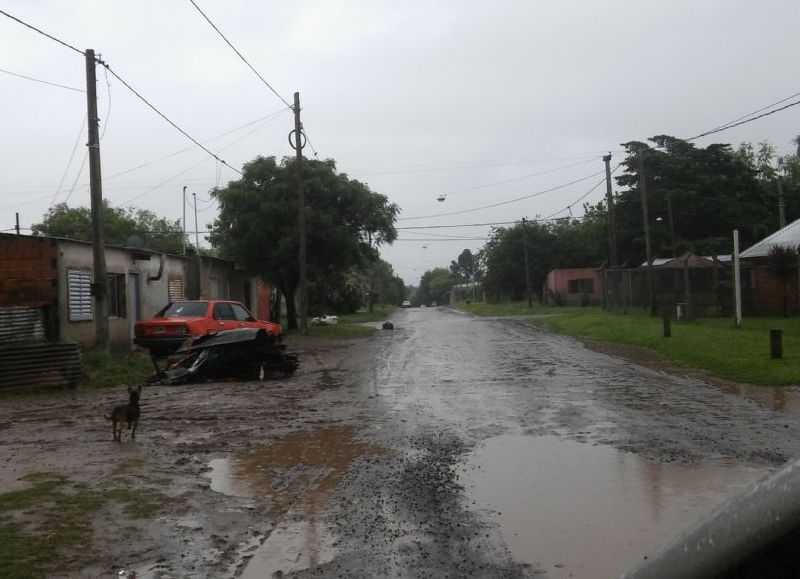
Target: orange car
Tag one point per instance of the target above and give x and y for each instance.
(174, 323)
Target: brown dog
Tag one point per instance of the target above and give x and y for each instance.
(126, 413)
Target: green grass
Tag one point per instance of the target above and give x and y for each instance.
(58, 520)
(711, 344)
(118, 367)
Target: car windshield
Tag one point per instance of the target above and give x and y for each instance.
(184, 310)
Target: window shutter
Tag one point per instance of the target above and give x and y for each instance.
(79, 287)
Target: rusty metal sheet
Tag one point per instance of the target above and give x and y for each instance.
(34, 365)
(19, 324)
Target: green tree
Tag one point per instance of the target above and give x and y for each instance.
(435, 284)
(257, 226)
(465, 266)
(119, 224)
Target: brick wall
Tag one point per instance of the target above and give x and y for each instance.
(28, 271)
(769, 293)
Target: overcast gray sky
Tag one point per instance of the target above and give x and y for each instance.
(484, 102)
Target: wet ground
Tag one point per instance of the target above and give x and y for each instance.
(451, 446)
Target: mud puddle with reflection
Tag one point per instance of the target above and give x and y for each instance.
(590, 511)
(298, 472)
(777, 398)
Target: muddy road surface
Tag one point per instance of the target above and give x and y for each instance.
(451, 446)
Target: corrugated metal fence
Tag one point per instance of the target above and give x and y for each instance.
(27, 361)
(33, 365)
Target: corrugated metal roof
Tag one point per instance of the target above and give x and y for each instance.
(789, 236)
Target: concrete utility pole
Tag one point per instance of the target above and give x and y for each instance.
(612, 229)
(646, 222)
(737, 280)
(781, 204)
(96, 191)
(527, 267)
(298, 145)
(196, 229)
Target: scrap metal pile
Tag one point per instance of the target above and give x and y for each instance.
(243, 354)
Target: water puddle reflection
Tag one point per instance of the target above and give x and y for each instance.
(590, 511)
(298, 472)
(777, 398)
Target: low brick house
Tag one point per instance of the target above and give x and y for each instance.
(45, 287)
(574, 286)
(767, 291)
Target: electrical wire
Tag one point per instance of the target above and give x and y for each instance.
(239, 54)
(538, 193)
(41, 81)
(523, 177)
(78, 176)
(71, 157)
(4, 13)
(108, 110)
(739, 121)
(165, 117)
(582, 197)
(265, 118)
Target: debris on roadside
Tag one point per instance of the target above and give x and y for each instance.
(242, 353)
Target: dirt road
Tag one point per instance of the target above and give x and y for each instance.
(451, 446)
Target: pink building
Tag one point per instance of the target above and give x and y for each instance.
(576, 286)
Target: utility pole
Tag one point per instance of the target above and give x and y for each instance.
(671, 225)
(96, 190)
(781, 204)
(298, 145)
(183, 222)
(196, 229)
(612, 229)
(527, 267)
(17, 225)
(646, 222)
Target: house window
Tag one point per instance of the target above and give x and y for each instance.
(580, 286)
(218, 287)
(79, 295)
(116, 295)
(175, 289)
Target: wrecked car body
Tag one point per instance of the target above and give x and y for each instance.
(242, 353)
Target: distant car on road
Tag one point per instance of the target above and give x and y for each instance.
(165, 332)
(406, 303)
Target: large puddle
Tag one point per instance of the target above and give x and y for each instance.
(590, 511)
(298, 472)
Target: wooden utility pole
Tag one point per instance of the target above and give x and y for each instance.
(781, 204)
(527, 266)
(96, 191)
(301, 215)
(646, 223)
(612, 229)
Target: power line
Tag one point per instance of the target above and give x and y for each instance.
(4, 13)
(265, 118)
(523, 177)
(239, 54)
(42, 81)
(163, 116)
(69, 163)
(550, 190)
(582, 197)
(740, 120)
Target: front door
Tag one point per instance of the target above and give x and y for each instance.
(134, 294)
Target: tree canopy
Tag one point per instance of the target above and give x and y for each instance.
(119, 224)
(346, 223)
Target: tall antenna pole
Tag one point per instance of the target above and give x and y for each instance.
(96, 191)
(196, 229)
(298, 145)
(183, 222)
(612, 229)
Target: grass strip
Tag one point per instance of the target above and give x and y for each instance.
(711, 344)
